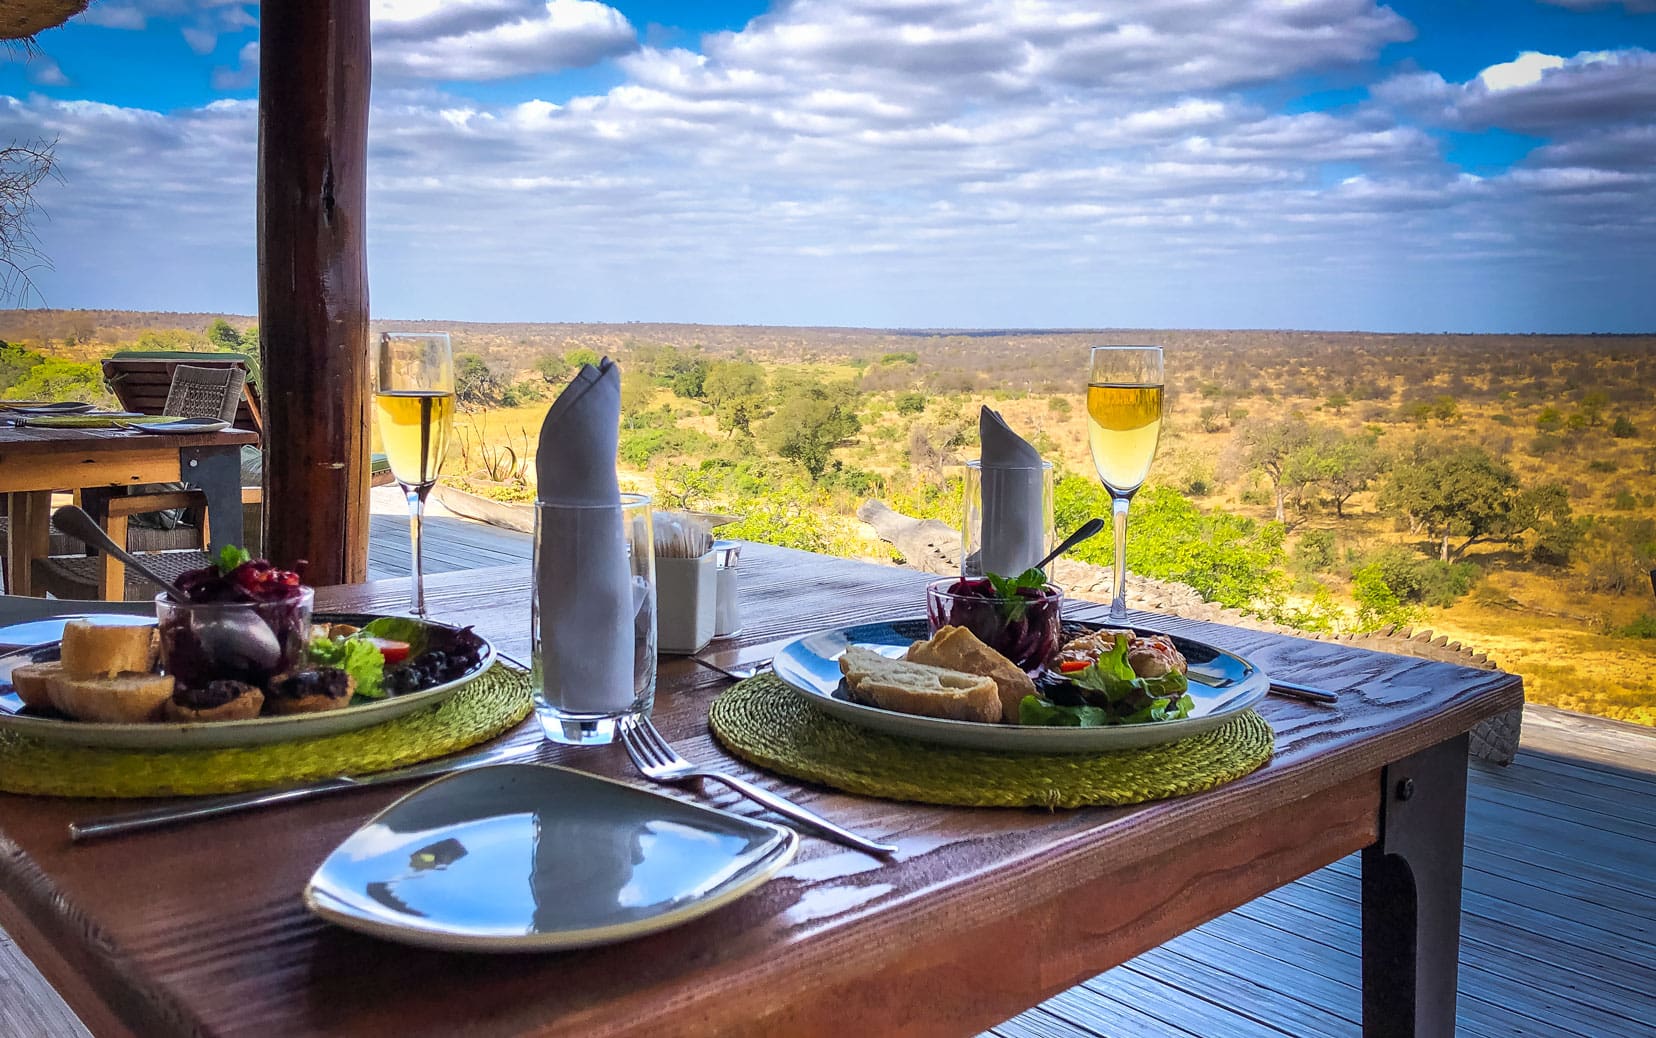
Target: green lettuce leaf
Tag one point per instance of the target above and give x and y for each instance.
(356, 657)
(1034, 710)
(230, 556)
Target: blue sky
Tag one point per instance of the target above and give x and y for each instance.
(1465, 165)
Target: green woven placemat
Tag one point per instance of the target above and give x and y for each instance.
(480, 710)
(764, 723)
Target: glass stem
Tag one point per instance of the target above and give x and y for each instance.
(416, 518)
(1118, 511)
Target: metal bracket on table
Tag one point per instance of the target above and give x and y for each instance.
(216, 471)
(1412, 896)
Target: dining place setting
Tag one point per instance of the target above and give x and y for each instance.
(655, 734)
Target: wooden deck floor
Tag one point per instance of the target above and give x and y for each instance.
(1558, 929)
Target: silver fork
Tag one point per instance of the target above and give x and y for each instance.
(659, 762)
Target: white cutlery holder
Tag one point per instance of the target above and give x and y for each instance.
(687, 596)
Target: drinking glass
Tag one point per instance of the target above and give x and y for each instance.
(583, 688)
(414, 397)
(1124, 419)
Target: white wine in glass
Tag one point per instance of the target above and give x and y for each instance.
(414, 398)
(1124, 419)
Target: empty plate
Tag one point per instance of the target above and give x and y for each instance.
(527, 857)
(177, 425)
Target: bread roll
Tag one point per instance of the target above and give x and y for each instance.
(127, 699)
(915, 688)
(33, 682)
(91, 651)
(957, 648)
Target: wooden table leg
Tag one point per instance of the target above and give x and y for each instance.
(1412, 896)
(28, 538)
(217, 471)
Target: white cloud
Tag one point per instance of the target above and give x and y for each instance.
(202, 21)
(244, 75)
(1535, 93)
(928, 162)
(46, 72)
(494, 39)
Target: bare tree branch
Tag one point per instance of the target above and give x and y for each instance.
(22, 168)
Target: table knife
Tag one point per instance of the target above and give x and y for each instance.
(212, 807)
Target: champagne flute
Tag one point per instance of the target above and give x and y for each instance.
(1124, 418)
(414, 396)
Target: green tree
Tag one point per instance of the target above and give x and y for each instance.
(222, 335)
(1276, 447)
(474, 384)
(581, 356)
(737, 391)
(15, 363)
(61, 380)
(1593, 403)
(1337, 402)
(1465, 493)
(810, 421)
(1342, 465)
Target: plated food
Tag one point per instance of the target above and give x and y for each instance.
(240, 662)
(1124, 688)
(1098, 678)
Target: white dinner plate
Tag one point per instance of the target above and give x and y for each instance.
(529, 858)
(256, 731)
(1222, 685)
(39, 632)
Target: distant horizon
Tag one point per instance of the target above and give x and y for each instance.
(895, 330)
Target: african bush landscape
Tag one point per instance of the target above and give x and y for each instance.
(1497, 489)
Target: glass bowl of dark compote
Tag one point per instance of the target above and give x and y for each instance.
(1024, 626)
(244, 620)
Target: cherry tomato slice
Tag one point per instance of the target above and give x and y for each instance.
(393, 651)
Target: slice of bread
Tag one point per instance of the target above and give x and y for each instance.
(91, 651)
(915, 688)
(956, 648)
(127, 699)
(33, 682)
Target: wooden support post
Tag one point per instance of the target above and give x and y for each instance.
(313, 284)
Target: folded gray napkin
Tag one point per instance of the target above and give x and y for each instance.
(1013, 537)
(585, 597)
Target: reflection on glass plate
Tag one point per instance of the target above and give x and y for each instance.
(1222, 685)
(525, 857)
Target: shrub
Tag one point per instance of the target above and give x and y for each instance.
(1623, 429)
(1377, 604)
(1058, 404)
(1625, 501)
(1545, 443)
(1643, 627)
(1549, 420)
(1315, 551)
(1501, 419)
(1601, 465)
(911, 403)
(1416, 579)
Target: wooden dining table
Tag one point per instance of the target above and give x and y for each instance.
(35, 461)
(982, 913)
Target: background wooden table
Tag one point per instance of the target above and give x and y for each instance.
(982, 914)
(34, 462)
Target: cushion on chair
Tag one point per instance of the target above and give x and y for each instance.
(77, 576)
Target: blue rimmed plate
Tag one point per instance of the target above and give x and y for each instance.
(255, 731)
(1222, 685)
(528, 858)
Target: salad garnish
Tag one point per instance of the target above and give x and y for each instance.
(1011, 590)
(1114, 694)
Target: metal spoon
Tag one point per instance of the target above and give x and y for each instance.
(76, 523)
(1088, 529)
